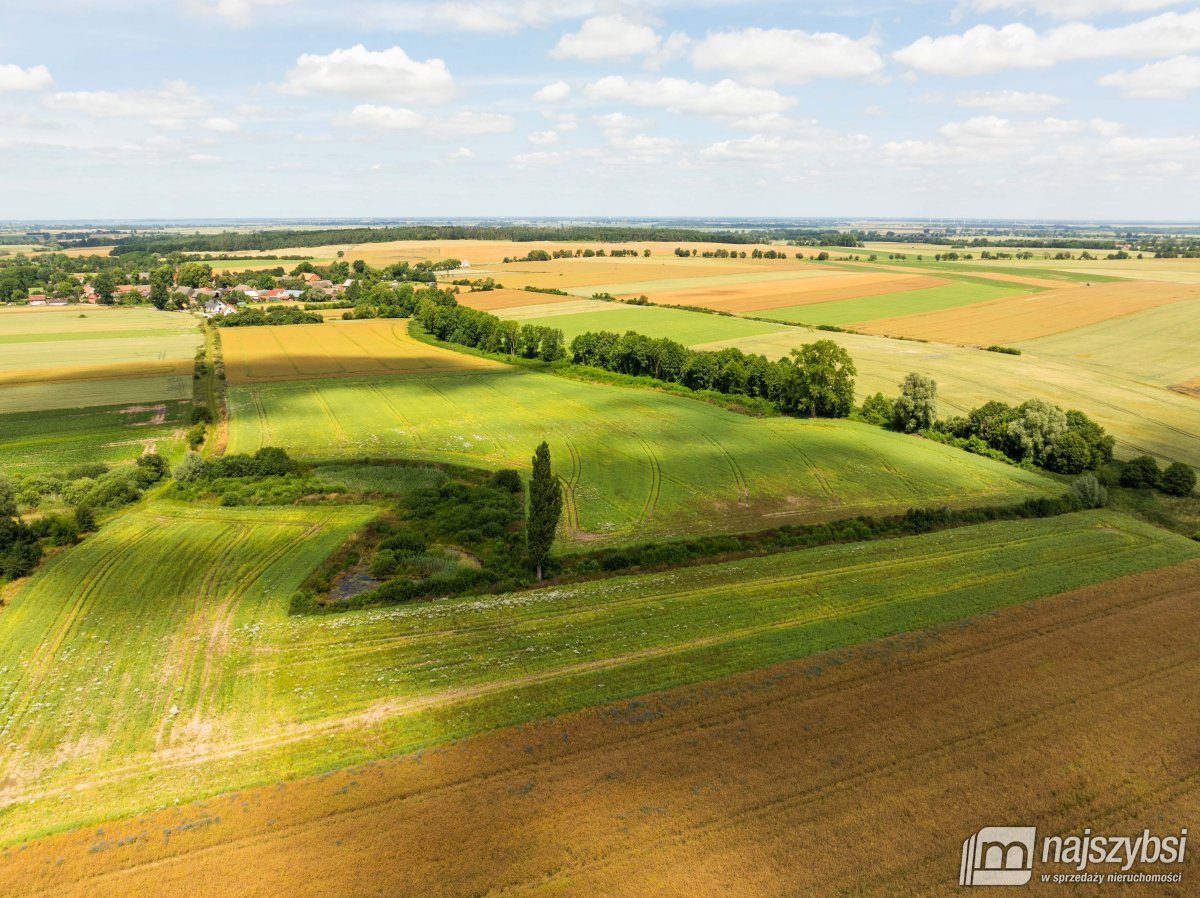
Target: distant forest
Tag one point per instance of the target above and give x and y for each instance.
(270, 240)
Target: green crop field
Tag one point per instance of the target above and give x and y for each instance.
(156, 662)
(52, 441)
(47, 395)
(1144, 417)
(716, 279)
(683, 326)
(909, 302)
(636, 462)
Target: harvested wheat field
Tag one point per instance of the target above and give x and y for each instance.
(334, 349)
(866, 766)
(756, 297)
(498, 300)
(1029, 316)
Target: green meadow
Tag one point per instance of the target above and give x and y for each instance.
(636, 462)
(156, 661)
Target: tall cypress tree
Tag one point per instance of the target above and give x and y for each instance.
(545, 508)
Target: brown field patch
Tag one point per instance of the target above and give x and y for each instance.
(334, 349)
(856, 772)
(779, 294)
(1028, 316)
(1188, 388)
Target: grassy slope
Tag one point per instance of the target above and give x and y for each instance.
(156, 660)
(638, 463)
(48, 441)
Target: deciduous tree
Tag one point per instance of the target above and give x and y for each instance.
(545, 508)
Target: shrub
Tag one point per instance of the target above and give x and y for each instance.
(1088, 492)
(195, 436)
(876, 410)
(1140, 473)
(191, 468)
(85, 518)
(1068, 454)
(384, 564)
(507, 480)
(154, 464)
(201, 414)
(1178, 480)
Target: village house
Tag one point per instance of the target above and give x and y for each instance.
(215, 307)
(37, 299)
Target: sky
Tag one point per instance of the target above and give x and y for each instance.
(1042, 109)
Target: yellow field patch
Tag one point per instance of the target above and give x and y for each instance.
(494, 300)
(334, 349)
(1028, 316)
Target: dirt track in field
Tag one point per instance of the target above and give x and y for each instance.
(861, 771)
(1012, 319)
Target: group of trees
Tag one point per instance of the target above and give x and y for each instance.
(440, 315)
(1143, 472)
(275, 315)
(1034, 432)
(20, 550)
(817, 379)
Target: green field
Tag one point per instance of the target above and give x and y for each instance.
(909, 302)
(685, 327)
(156, 661)
(47, 395)
(637, 463)
(88, 322)
(52, 441)
(663, 285)
(1143, 416)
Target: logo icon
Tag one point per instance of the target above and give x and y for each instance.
(998, 856)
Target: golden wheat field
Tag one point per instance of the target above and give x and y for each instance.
(334, 349)
(1027, 317)
(732, 787)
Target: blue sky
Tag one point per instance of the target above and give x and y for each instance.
(1070, 109)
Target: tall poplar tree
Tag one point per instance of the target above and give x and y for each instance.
(545, 508)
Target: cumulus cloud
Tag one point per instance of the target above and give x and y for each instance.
(459, 124)
(173, 105)
(239, 13)
(224, 125)
(777, 149)
(990, 139)
(724, 99)
(1175, 77)
(384, 74)
(553, 93)
(1067, 9)
(984, 48)
(486, 16)
(608, 37)
(767, 56)
(14, 78)
(1008, 100)
(543, 138)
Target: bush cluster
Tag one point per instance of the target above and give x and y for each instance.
(276, 315)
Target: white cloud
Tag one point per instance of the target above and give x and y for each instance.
(224, 125)
(462, 153)
(618, 121)
(1067, 9)
(543, 138)
(459, 124)
(384, 74)
(985, 49)
(989, 139)
(204, 159)
(778, 150)
(13, 78)
(482, 16)
(1008, 100)
(239, 13)
(767, 56)
(553, 93)
(608, 37)
(1175, 77)
(724, 99)
(173, 105)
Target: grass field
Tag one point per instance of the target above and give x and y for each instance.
(215, 687)
(334, 349)
(52, 441)
(718, 788)
(596, 315)
(867, 308)
(1144, 417)
(52, 358)
(636, 463)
